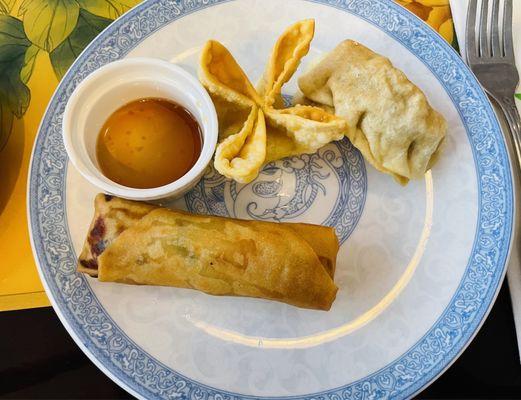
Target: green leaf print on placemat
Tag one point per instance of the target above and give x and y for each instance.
(87, 28)
(6, 6)
(14, 95)
(48, 22)
(107, 8)
(59, 28)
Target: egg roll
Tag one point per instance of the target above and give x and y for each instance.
(138, 243)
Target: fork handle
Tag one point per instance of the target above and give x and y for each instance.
(508, 105)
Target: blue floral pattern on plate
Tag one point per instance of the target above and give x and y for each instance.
(143, 375)
(306, 175)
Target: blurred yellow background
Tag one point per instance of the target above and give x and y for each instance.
(436, 13)
(45, 60)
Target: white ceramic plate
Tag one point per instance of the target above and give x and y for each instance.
(418, 269)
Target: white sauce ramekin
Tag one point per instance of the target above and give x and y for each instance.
(118, 83)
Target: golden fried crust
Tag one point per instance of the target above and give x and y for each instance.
(390, 120)
(223, 76)
(240, 155)
(219, 256)
(259, 130)
(309, 128)
(113, 215)
(323, 241)
(285, 58)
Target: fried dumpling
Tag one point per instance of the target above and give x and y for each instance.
(253, 126)
(389, 119)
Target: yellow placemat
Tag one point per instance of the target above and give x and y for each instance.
(39, 40)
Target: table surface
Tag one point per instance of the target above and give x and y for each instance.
(39, 360)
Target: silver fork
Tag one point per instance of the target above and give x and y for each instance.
(492, 60)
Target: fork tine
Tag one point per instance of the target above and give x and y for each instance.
(483, 25)
(495, 45)
(470, 34)
(507, 30)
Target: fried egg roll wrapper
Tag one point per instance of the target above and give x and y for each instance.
(219, 256)
(263, 275)
(112, 216)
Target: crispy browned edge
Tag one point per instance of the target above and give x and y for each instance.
(104, 205)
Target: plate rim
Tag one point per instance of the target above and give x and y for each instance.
(421, 383)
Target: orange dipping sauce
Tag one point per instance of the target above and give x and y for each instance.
(148, 143)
